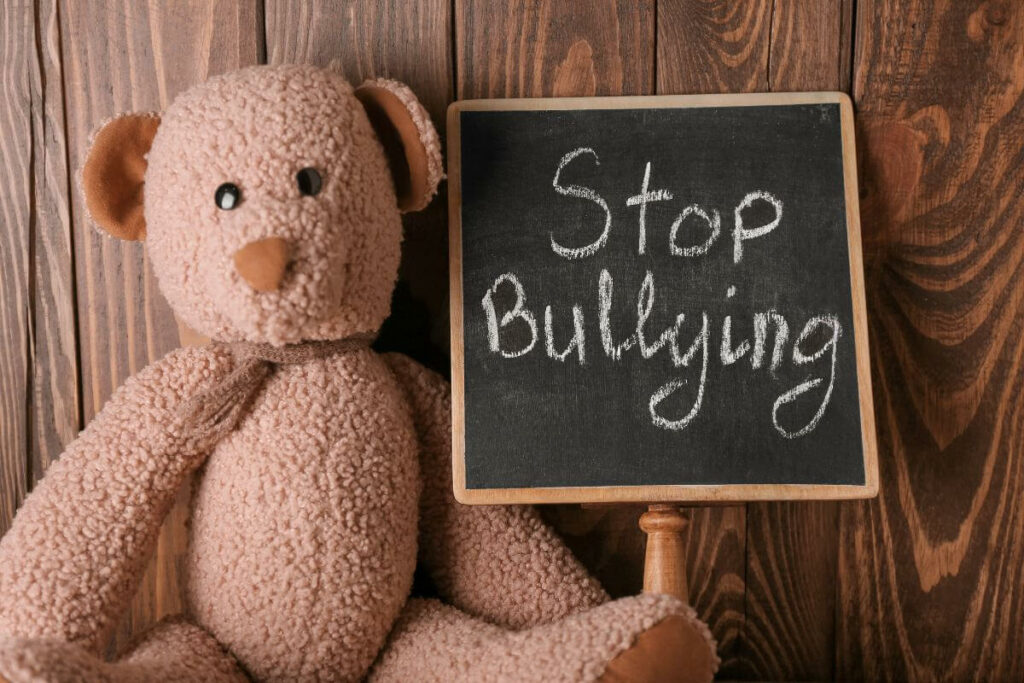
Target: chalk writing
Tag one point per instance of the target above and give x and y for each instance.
(581, 193)
(692, 333)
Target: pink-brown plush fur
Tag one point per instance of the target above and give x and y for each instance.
(309, 518)
(256, 128)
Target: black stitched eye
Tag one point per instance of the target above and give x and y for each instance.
(309, 182)
(227, 196)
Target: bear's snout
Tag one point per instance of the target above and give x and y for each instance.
(263, 263)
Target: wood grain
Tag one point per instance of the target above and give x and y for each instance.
(810, 45)
(665, 554)
(55, 406)
(17, 49)
(788, 630)
(410, 42)
(931, 574)
(789, 625)
(129, 56)
(711, 46)
(531, 48)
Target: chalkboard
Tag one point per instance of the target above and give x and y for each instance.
(658, 299)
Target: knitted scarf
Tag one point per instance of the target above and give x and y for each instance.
(212, 414)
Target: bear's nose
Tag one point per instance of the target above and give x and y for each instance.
(262, 263)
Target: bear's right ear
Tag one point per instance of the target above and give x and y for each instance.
(114, 172)
(410, 142)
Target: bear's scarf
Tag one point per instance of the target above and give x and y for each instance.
(211, 415)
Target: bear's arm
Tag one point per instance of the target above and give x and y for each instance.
(502, 563)
(78, 546)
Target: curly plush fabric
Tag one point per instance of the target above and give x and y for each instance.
(304, 534)
(431, 143)
(72, 559)
(322, 480)
(475, 554)
(309, 516)
(257, 128)
(173, 651)
(434, 642)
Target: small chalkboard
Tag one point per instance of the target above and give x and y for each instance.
(658, 299)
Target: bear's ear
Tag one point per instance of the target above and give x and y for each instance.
(113, 174)
(409, 139)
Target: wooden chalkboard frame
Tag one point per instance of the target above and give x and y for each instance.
(702, 493)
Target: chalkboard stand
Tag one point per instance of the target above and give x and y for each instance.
(665, 559)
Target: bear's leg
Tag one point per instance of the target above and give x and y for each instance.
(646, 638)
(174, 650)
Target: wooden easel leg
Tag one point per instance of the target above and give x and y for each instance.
(665, 559)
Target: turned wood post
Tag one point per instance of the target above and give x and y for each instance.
(665, 559)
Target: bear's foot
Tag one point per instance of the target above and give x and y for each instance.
(172, 651)
(648, 638)
(674, 650)
(48, 660)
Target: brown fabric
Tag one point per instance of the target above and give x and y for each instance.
(672, 651)
(399, 135)
(262, 263)
(114, 173)
(214, 413)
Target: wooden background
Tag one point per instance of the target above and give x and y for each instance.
(924, 583)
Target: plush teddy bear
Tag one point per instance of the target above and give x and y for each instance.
(272, 220)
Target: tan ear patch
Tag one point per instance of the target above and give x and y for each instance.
(409, 139)
(114, 173)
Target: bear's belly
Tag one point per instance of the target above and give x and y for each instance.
(304, 520)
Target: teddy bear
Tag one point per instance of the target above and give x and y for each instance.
(270, 203)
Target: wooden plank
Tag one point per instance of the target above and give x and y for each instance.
(789, 627)
(553, 49)
(930, 574)
(410, 42)
(16, 32)
(55, 406)
(128, 56)
(711, 47)
(811, 45)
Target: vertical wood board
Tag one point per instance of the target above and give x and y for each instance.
(16, 33)
(930, 573)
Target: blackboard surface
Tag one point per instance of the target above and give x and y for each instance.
(656, 299)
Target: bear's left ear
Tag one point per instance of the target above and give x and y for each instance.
(409, 139)
(114, 172)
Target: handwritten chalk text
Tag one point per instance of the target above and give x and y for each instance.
(695, 340)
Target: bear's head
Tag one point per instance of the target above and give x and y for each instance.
(269, 199)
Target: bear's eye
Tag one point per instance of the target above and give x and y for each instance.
(227, 196)
(309, 182)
